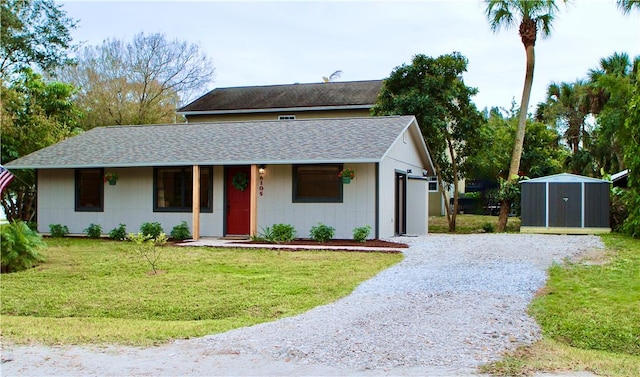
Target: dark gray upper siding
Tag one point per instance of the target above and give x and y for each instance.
(299, 141)
(349, 94)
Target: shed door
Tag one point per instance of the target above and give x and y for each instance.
(565, 205)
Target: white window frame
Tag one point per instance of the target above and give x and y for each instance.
(286, 117)
(432, 180)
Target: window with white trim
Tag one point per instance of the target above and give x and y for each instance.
(286, 117)
(433, 184)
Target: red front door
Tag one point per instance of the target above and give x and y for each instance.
(238, 201)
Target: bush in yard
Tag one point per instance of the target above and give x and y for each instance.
(58, 230)
(93, 230)
(488, 227)
(149, 247)
(360, 234)
(119, 233)
(151, 229)
(322, 232)
(276, 234)
(181, 232)
(283, 232)
(19, 246)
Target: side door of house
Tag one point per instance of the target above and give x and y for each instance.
(237, 200)
(401, 204)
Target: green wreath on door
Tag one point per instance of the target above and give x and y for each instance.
(240, 181)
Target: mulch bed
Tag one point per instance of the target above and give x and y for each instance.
(339, 242)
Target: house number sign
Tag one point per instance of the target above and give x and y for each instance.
(261, 187)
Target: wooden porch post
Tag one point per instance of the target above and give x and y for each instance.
(196, 203)
(253, 209)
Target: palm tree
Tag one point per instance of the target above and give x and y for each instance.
(531, 16)
(627, 5)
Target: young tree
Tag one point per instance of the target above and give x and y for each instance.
(432, 89)
(531, 16)
(137, 82)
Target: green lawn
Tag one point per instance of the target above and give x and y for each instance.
(590, 315)
(98, 291)
(466, 224)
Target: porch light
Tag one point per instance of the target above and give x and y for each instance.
(261, 169)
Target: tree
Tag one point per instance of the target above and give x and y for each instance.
(567, 107)
(612, 84)
(35, 114)
(137, 82)
(542, 152)
(626, 5)
(632, 160)
(33, 33)
(432, 89)
(531, 16)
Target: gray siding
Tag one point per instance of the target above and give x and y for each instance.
(596, 205)
(533, 204)
(565, 205)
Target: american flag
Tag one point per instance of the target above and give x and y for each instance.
(5, 178)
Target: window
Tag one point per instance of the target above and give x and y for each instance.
(89, 190)
(173, 189)
(317, 184)
(433, 183)
(286, 117)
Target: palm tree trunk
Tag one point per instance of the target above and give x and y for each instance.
(522, 123)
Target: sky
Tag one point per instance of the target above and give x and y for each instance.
(285, 42)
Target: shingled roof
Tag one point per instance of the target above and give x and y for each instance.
(232, 143)
(333, 95)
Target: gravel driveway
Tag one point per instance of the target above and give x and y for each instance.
(454, 303)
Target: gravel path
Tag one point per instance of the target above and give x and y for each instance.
(454, 303)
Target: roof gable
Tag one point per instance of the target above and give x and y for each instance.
(565, 178)
(351, 94)
(270, 142)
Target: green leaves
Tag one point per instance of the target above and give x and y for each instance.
(19, 246)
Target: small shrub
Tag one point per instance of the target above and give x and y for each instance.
(181, 232)
(149, 247)
(283, 232)
(19, 247)
(360, 234)
(119, 233)
(152, 230)
(93, 231)
(266, 235)
(58, 230)
(488, 227)
(322, 232)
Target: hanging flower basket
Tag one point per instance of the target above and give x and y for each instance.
(112, 178)
(347, 175)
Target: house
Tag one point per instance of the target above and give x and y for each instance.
(296, 101)
(620, 179)
(565, 204)
(235, 178)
